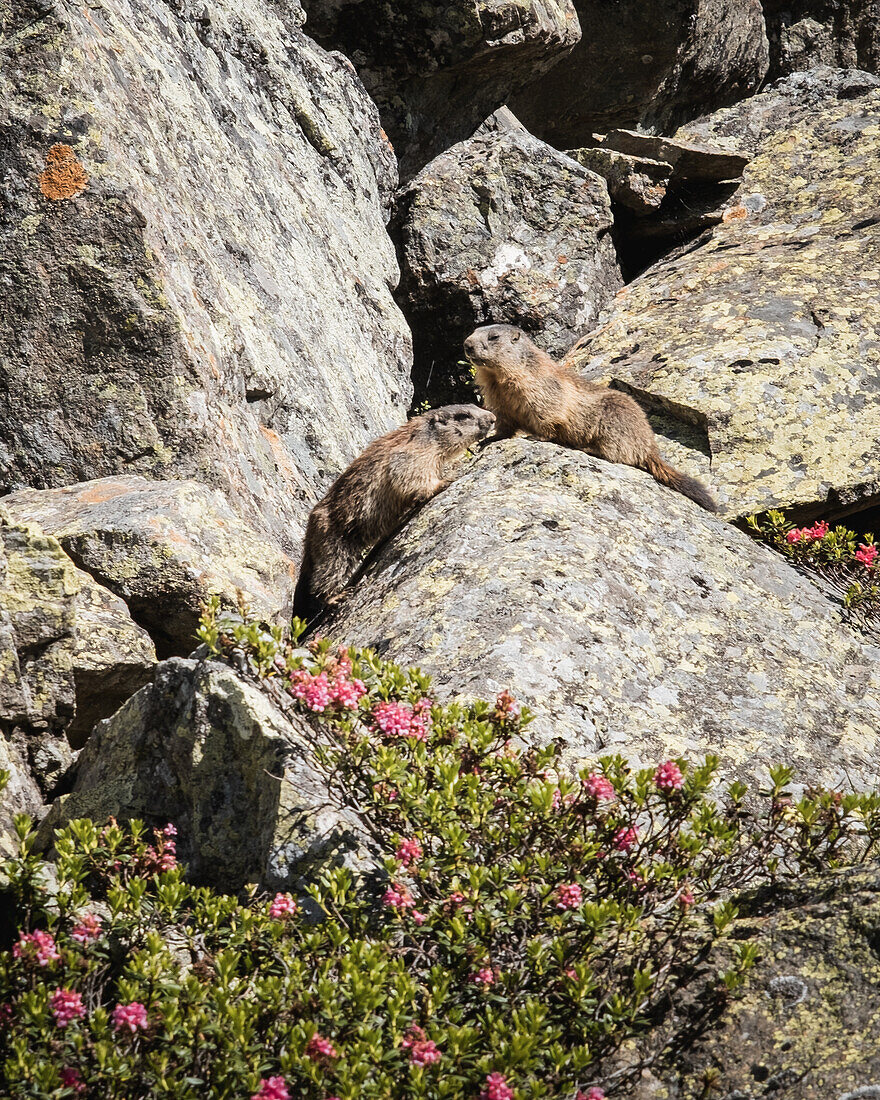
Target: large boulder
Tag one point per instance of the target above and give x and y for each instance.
(628, 618)
(165, 547)
(206, 750)
(501, 228)
(437, 68)
(805, 1024)
(197, 278)
(69, 656)
(807, 33)
(756, 349)
(649, 65)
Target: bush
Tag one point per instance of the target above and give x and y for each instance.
(518, 924)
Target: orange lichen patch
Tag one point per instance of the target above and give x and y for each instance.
(280, 454)
(107, 490)
(719, 265)
(735, 214)
(64, 176)
(562, 259)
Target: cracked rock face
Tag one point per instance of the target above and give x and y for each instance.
(197, 278)
(165, 547)
(206, 750)
(650, 65)
(437, 68)
(629, 619)
(807, 33)
(756, 351)
(501, 228)
(69, 656)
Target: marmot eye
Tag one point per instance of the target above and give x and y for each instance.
(493, 337)
(462, 416)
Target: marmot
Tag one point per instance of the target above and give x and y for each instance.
(527, 390)
(399, 470)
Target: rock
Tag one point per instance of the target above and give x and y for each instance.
(501, 228)
(164, 547)
(804, 1026)
(626, 617)
(197, 277)
(756, 349)
(636, 182)
(688, 160)
(806, 33)
(647, 65)
(439, 67)
(69, 656)
(204, 749)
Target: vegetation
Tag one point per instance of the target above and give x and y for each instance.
(516, 925)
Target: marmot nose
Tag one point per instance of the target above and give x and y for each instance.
(469, 344)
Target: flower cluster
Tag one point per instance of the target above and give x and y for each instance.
(66, 1006)
(569, 896)
(283, 907)
(496, 1088)
(132, 1016)
(625, 838)
(422, 1051)
(409, 852)
(485, 976)
(272, 1088)
(320, 1049)
(808, 534)
(866, 554)
(162, 856)
(598, 787)
(668, 777)
(36, 947)
(397, 720)
(334, 688)
(87, 929)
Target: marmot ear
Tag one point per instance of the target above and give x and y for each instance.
(515, 335)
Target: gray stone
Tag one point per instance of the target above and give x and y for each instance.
(807, 33)
(629, 619)
(756, 350)
(164, 547)
(688, 160)
(648, 65)
(211, 753)
(636, 182)
(501, 228)
(212, 298)
(439, 67)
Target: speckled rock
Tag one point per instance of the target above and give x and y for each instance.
(627, 617)
(501, 228)
(197, 277)
(805, 1025)
(437, 68)
(757, 349)
(636, 182)
(807, 33)
(649, 65)
(210, 752)
(688, 160)
(165, 547)
(69, 656)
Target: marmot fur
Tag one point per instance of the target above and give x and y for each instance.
(366, 503)
(527, 390)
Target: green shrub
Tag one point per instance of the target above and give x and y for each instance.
(518, 923)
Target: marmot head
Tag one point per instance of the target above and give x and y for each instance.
(456, 427)
(495, 346)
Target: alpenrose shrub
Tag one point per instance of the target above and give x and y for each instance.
(518, 925)
(837, 554)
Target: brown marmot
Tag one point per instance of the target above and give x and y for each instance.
(399, 470)
(527, 390)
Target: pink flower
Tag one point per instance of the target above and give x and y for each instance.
(394, 720)
(70, 1079)
(818, 531)
(571, 974)
(568, 896)
(794, 535)
(424, 1053)
(66, 1006)
(506, 706)
(624, 839)
(88, 929)
(418, 918)
(598, 787)
(283, 907)
(594, 1093)
(496, 1088)
(272, 1088)
(668, 777)
(319, 1049)
(685, 899)
(347, 693)
(6, 1014)
(414, 1034)
(485, 976)
(170, 831)
(866, 554)
(38, 947)
(132, 1016)
(409, 851)
(398, 897)
(456, 897)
